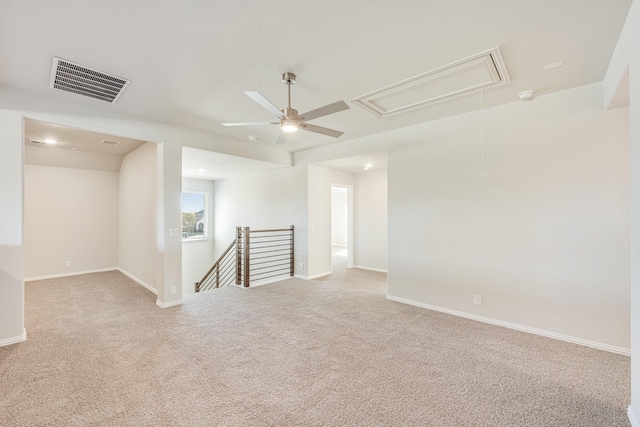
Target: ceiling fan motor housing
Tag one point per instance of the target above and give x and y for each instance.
(288, 78)
(290, 113)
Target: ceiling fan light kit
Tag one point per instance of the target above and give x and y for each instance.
(290, 120)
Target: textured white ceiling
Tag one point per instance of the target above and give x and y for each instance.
(189, 62)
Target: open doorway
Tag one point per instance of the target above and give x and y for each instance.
(341, 225)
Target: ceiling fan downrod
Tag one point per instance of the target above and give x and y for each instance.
(289, 79)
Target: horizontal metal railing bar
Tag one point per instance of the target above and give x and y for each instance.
(264, 242)
(274, 230)
(270, 260)
(258, 251)
(279, 245)
(273, 259)
(277, 266)
(271, 236)
(275, 275)
(267, 252)
(264, 267)
(281, 248)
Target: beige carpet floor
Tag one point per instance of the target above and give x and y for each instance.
(327, 352)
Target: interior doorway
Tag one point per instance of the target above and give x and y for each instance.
(341, 225)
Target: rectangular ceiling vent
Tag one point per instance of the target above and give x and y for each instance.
(81, 80)
(109, 142)
(485, 69)
(37, 142)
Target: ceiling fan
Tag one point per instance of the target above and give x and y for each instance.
(290, 120)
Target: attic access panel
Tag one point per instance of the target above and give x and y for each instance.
(485, 69)
(81, 80)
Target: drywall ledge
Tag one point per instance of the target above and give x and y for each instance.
(14, 340)
(517, 327)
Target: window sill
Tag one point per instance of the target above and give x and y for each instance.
(198, 239)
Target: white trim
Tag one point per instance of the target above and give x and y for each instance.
(75, 273)
(535, 331)
(379, 270)
(14, 340)
(168, 304)
(268, 281)
(632, 417)
(138, 281)
(315, 276)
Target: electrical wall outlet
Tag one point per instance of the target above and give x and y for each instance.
(477, 299)
(67, 264)
(172, 290)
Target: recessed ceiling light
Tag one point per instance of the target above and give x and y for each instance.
(252, 137)
(201, 170)
(50, 141)
(367, 166)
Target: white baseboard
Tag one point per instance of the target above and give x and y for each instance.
(315, 276)
(362, 267)
(138, 281)
(168, 304)
(633, 419)
(268, 281)
(75, 273)
(535, 331)
(14, 340)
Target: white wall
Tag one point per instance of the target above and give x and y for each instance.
(69, 215)
(339, 210)
(11, 226)
(544, 237)
(370, 220)
(93, 116)
(197, 255)
(263, 200)
(319, 219)
(623, 76)
(138, 215)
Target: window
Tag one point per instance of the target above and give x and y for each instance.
(194, 215)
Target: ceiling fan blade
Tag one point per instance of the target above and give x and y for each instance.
(250, 124)
(260, 99)
(325, 111)
(320, 129)
(282, 137)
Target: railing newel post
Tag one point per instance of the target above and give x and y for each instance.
(238, 255)
(291, 267)
(247, 273)
(247, 257)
